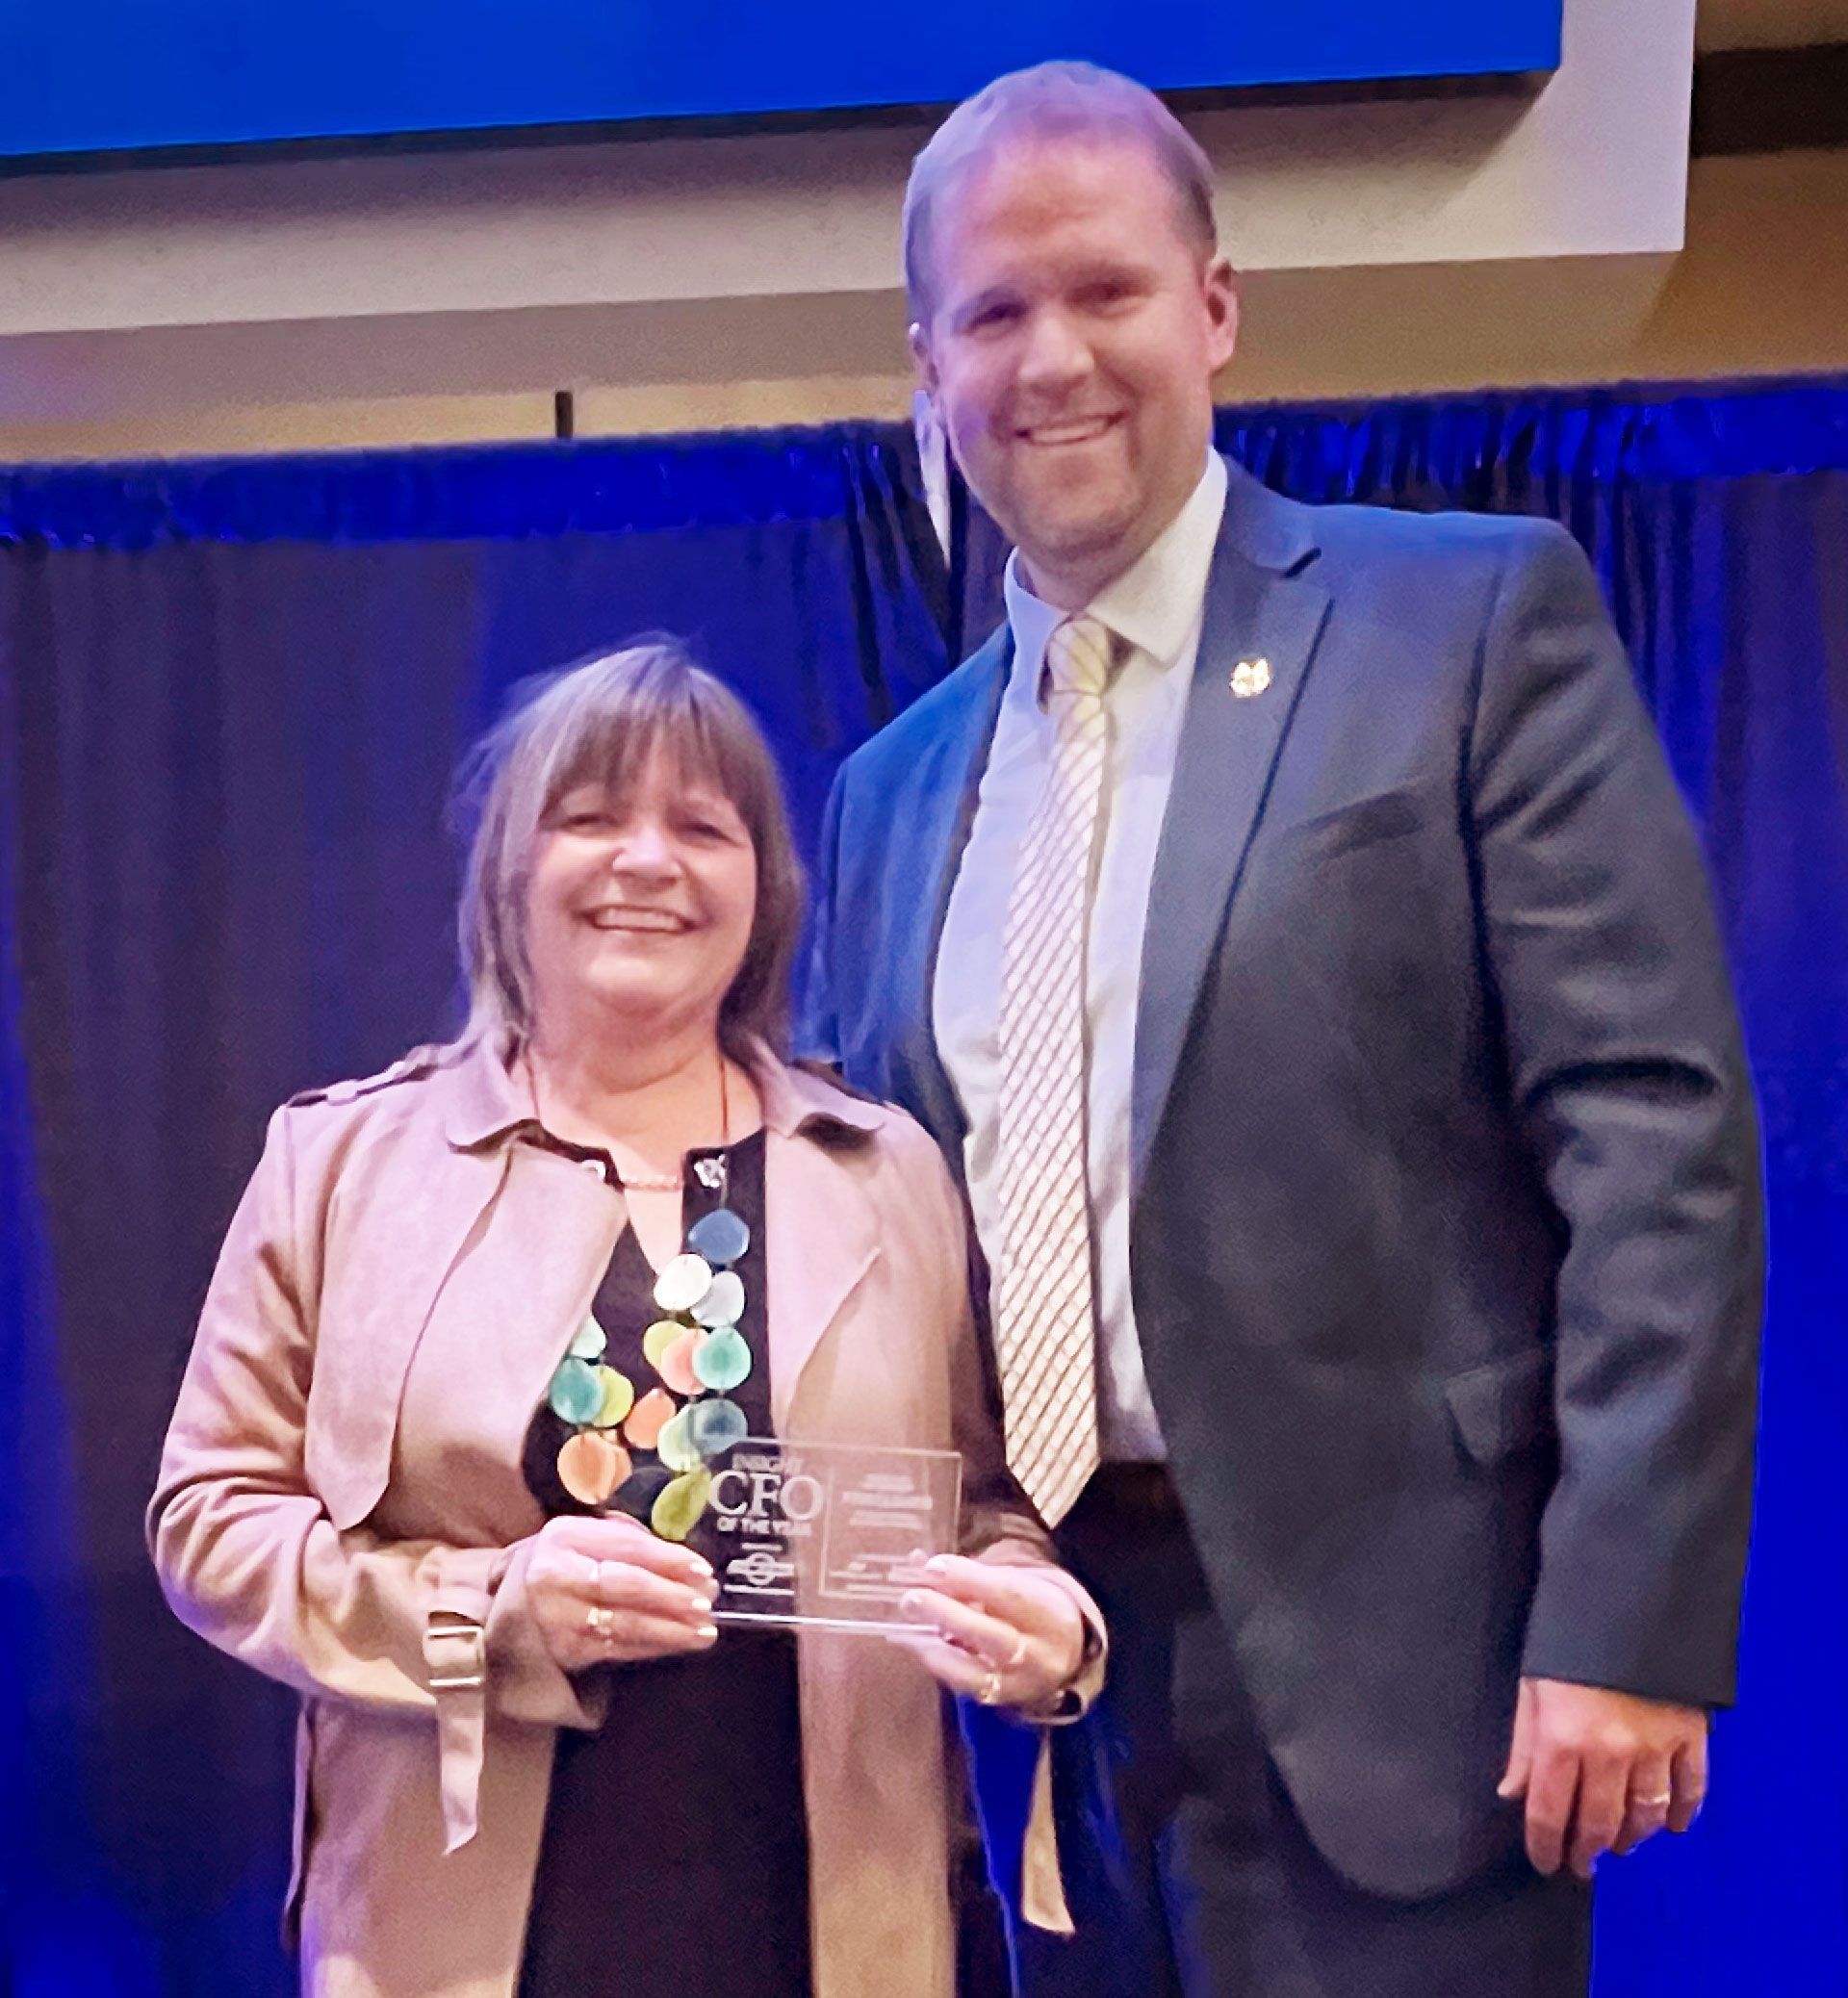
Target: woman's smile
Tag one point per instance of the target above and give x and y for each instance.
(639, 921)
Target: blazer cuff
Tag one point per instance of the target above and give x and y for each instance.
(527, 1684)
(455, 1669)
(478, 1642)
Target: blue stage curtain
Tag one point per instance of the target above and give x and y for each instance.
(230, 696)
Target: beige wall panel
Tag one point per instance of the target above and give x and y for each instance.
(1593, 164)
(657, 408)
(1760, 288)
(91, 377)
(234, 429)
(1771, 23)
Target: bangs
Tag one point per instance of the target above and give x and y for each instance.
(614, 746)
(610, 726)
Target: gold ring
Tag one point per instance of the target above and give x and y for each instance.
(1018, 1652)
(990, 1690)
(598, 1623)
(1661, 1803)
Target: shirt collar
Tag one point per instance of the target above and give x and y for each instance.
(1156, 601)
(487, 1104)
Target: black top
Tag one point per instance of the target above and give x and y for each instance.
(676, 1854)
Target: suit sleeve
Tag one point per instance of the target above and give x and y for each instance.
(249, 1558)
(1629, 1078)
(817, 1031)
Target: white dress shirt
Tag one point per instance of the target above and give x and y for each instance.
(1156, 608)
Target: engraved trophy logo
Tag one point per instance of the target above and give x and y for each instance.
(828, 1534)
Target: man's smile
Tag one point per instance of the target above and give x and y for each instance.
(1069, 431)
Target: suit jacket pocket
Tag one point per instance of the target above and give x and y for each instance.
(1504, 1405)
(1388, 815)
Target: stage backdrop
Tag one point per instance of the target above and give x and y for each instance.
(230, 698)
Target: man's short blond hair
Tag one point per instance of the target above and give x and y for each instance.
(1052, 101)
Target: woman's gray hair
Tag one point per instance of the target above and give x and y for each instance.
(600, 722)
(1052, 101)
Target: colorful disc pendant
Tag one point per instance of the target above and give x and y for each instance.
(724, 1360)
(681, 1285)
(721, 1237)
(649, 1416)
(590, 1467)
(619, 1397)
(637, 1493)
(715, 1425)
(681, 1504)
(724, 1302)
(675, 1447)
(589, 1342)
(675, 1368)
(658, 1337)
(575, 1394)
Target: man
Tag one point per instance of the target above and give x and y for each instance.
(1289, 925)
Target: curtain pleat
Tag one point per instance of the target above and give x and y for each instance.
(231, 696)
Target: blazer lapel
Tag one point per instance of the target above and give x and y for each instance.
(1261, 613)
(374, 1308)
(821, 1234)
(820, 1240)
(533, 1280)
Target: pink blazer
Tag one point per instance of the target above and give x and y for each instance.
(341, 1504)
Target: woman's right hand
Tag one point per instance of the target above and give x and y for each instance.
(607, 1591)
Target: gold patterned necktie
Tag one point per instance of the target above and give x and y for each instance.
(1045, 1330)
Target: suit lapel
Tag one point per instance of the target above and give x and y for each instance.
(1258, 608)
(931, 823)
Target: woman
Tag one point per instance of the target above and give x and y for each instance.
(530, 1762)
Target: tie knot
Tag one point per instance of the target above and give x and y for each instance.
(1080, 657)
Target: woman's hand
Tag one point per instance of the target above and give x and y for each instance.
(1005, 1634)
(606, 1591)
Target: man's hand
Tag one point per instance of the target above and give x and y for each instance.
(1602, 1771)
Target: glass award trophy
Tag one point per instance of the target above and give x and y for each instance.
(826, 1534)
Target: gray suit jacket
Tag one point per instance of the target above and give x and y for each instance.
(1446, 1236)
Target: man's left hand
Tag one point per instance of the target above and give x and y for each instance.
(1602, 1771)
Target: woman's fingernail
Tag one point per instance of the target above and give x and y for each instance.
(708, 1631)
(698, 1602)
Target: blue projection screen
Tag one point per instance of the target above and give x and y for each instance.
(85, 76)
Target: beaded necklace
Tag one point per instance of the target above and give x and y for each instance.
(699, 1355)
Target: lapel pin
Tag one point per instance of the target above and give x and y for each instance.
(1250, 678)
